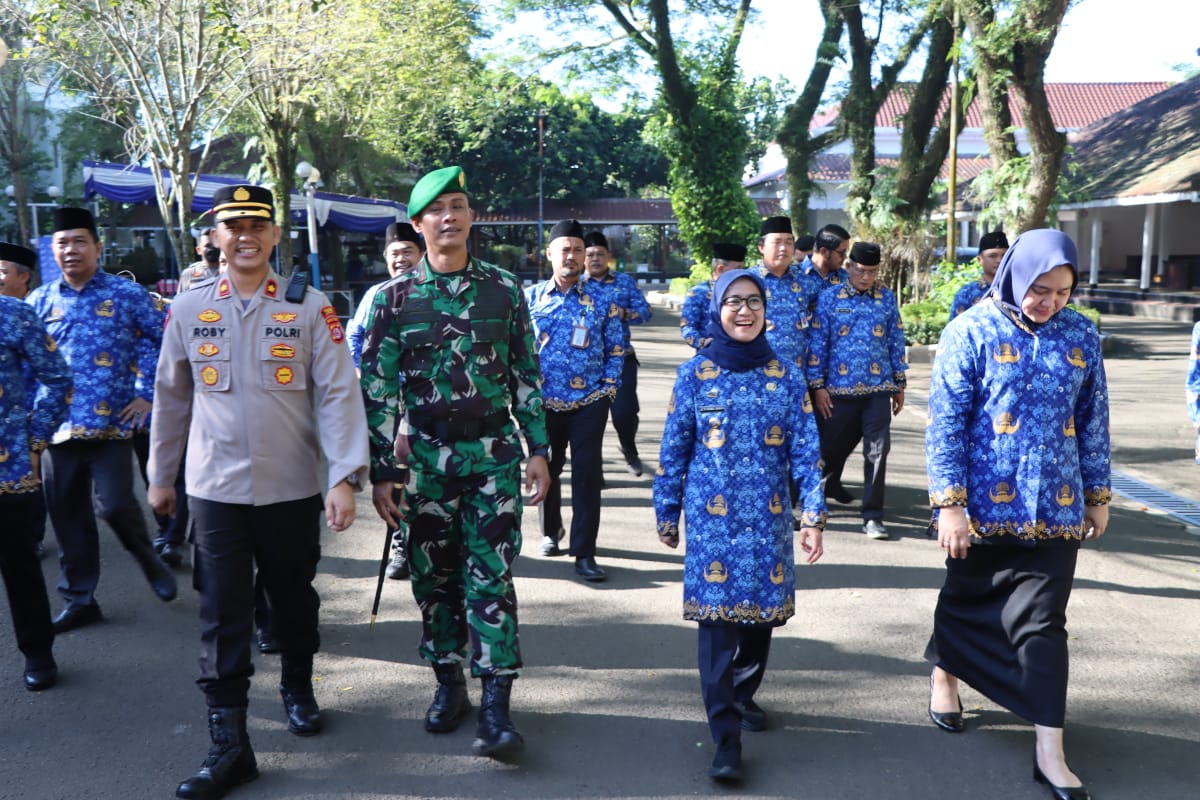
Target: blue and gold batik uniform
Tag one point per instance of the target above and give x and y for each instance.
(623, 290)
(35, 389)
(788, 301)
(856, 345)
(968, 296)
(580, 343)
(693, 317)
(1193, 385)
(109, 332)
(731, 444)
(1018, 424)
(815, 283)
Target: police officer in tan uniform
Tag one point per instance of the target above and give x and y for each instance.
(209, 264)
(264, 376)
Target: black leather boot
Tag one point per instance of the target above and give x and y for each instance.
(450, 701)
(496, 735)
(295, 687)
(230, 760)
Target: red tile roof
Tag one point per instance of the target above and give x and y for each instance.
(607, 211)
(1072, 105)
(835, 168)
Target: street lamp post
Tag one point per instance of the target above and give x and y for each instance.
(541, 120)
(312, 178)
(54, 192)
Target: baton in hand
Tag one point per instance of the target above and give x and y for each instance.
(387, 548)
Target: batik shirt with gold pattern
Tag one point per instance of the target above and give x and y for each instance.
(35, 389)
(731, 443)
(856, 345)
(1018, 424)
(788, 300)
(110, 332)
(580, 343)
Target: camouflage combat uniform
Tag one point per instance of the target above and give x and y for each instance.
(452, 353)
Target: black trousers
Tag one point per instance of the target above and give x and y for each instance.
(84, 480)
(625, 409)
(866, 419)
(171, 530)
(283, 539)
(583, 430)
(733, 661)
(23, 582)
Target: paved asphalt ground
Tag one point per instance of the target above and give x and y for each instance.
(609, 701)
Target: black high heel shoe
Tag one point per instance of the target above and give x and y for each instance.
(1059, 792)
(949, 721)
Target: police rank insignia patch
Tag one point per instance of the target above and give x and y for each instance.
(284, 375)
(272, 289)
(283, 316)
(208, 315)
(208, 349)
(334, 324)
(283, 351)
(223, 288)
(209, 375)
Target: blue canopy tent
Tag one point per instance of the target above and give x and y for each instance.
(131, 184)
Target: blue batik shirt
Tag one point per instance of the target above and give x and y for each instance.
(732, 444)
(623, 289)
(857, 343)
(787, 313)
(110, 332)
(35, 390)
(693, 317)
(968, 296)
(356, 328)
(1018, 424)
(580, 343)
(815, 282)
(1193, 377)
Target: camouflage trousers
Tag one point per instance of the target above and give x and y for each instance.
(464, 532)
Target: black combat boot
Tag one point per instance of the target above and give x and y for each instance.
(230, 760)
(496, 735)
(295, 687)
(450, 701)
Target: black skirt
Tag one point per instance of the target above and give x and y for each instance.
(1001, 626)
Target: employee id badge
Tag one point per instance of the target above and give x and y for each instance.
(579, 336)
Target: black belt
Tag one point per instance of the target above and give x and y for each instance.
(459, 429)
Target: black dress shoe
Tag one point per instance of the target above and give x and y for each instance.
(73, 617)
(164, 585)
(40, 674)
(267, 645)
(727, 763)
(589, 570)
(949, 721)
(839, 494)
(171, 554)
(754, 718)
(1059, 792)
(304, 717)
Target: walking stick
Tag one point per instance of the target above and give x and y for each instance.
(387, 547)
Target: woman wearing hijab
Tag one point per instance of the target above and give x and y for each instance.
(739, 428)
(1017, 451)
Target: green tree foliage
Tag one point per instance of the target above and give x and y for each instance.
(588, 152)
(699, 122)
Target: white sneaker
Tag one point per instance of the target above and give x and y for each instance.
(875, 530)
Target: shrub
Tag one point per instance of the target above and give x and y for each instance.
(923, 322)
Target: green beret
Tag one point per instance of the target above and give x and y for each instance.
(433, 184)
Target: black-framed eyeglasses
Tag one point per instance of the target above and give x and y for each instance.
(734, 303)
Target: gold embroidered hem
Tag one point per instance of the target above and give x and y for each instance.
(950, 496)
(742, 613)
(1097, 496)
(91, 434)
(552, 404)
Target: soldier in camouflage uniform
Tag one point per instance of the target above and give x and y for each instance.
(449, 349)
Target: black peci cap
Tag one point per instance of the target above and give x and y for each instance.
(729, 252)
(67, 218)
(401, 232)
(595, 239)
(775, 225)
(567, 227)
(996, 240)
(18, 255)
(866, 254)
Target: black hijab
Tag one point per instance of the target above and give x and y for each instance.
(725, 351)
(1032, 255)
